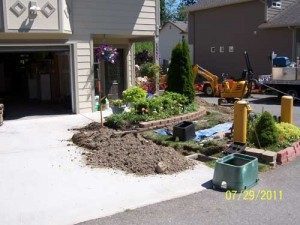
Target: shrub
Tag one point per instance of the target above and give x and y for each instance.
(142, 106)
(150, 70)
(126, 119)
(264, 133)
(117, 103)
(156, 105)
(134, 94)
(115, 121)
(181, 99)
(288, 132)
(180, 75)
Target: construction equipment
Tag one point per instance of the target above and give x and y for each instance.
(228, 90)
(212, 86)
(237, 90)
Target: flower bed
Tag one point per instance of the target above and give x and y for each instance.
(149, 109)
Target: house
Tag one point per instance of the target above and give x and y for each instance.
(222, 30)
(47, 50)
(170, 34)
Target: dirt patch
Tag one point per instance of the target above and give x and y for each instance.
(214, 107)
(130, 152)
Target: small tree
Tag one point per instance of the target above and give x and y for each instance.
(180, 75)
(265, 132)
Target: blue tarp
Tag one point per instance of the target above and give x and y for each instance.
(201, 134)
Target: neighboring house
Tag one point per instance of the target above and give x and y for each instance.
(222, 30)
(170, 34)
(47, 48)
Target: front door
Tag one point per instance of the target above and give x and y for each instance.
(114, 77)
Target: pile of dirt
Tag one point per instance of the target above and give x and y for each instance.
(128, 152)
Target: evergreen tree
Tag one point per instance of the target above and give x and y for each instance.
(180, 75)
(181, 9)
(187, 72)
(163, 12)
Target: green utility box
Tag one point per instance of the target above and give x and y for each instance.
(236, 172)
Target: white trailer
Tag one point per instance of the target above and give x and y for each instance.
(286, 80)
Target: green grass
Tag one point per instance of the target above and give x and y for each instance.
(262, 168)
(208, 148)
(212, 119)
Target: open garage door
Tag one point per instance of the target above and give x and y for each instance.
(35, 81)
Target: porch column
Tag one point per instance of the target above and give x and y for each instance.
(156, 59)
(85, 77)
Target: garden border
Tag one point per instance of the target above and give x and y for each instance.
(177, 119)
(289, 154)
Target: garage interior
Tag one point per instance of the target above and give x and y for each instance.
(35, 83)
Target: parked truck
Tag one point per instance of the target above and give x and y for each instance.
(285, 77)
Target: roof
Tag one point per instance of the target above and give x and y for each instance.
(208, 4)
(290, 17)
(181, 25)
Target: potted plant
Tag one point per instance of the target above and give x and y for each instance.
(118, 106)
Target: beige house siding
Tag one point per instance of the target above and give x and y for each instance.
(85, 76)
(66, 16)
(135, 17)
(130, 66)
(40, 22)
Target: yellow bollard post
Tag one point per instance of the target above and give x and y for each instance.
(287, 108)
(241, 111)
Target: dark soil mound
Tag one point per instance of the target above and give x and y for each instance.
(129, 152)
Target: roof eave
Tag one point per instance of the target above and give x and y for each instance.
(198, 7)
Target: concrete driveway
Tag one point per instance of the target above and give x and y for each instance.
(43, 180)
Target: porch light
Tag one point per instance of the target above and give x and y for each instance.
(34, 8)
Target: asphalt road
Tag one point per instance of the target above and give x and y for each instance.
(211, 207)
(268, 103)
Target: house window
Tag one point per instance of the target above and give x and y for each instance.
(276, 4)
(231, 49)
(222, 49)
(212, 49)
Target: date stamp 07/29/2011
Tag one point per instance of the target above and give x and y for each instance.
(254, 195)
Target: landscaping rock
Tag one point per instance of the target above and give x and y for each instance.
(161, 168)
(254, 152)
(269, 157)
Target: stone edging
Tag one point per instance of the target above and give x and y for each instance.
(263, 156)
(288, 154)
(176, 119)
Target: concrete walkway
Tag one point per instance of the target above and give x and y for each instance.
(43, 180)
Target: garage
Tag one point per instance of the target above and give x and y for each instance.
(35, 81)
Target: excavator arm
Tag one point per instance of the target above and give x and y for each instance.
(210, 77)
